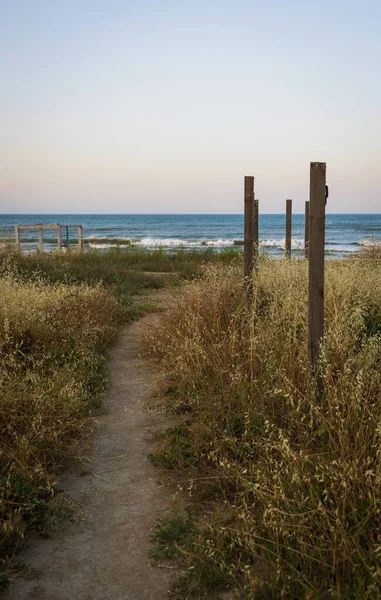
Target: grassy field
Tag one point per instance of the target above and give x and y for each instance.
(284, 488)
(124, 271)
(59, 313)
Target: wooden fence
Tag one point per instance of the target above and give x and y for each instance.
(41, 227)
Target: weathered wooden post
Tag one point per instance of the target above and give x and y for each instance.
(249, 230)
(41, 238)
(288, 228)
(316, 265)
(255, 233)
(17, 236)
(80, 238)
(59, 237)
(306, 227)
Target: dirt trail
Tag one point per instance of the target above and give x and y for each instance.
(105, 555)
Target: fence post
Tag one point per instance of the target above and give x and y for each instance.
(41, 238)
(80, 238)
(17, 236)
(316, 264)
(249, 229)
(288, 228)
(59, 237)
(255, 233)
(306, 227)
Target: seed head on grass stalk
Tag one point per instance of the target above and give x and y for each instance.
(300, 483)
(52, 342)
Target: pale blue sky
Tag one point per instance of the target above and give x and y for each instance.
(163, 106)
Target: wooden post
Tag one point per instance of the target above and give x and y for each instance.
(255, 233)
(80, 238)
(316, 265)
(17, 236)
(59, 237)
(41, 238)
(288, 228)
(306, 227)
(249, 229)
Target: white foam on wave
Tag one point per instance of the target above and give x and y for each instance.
(151, 242)
(376, 243)
(173, 242)
(99, 239)
(156, 242)
(220, 243)
(295, 243)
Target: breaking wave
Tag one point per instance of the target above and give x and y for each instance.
(151, 242)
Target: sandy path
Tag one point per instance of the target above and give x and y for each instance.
(105, 555)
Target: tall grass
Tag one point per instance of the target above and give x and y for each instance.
(124, 271)
(290, 484)
(117, 261)
(58, 314)
(52, 351)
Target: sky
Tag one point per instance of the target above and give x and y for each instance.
(163, 106)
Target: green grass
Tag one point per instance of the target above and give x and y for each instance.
(169, 534)
(174, 538)
(124, 271)
(285, 484)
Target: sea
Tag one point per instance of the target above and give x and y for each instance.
(345, 233)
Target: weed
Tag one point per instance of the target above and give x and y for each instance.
(169, 533)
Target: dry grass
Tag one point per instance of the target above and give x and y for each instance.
(58, 313)
(371, 251)
(290, 485)
(52, 342)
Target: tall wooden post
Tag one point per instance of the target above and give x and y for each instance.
(255, 233)
(59, 237)
(80, 238)
(41, 238)
(288, 228)
(17, 236)
(316, 264)
(306, 227)
(249, 228)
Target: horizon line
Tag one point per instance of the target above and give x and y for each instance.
(167, 214)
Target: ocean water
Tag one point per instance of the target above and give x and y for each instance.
(345, 234)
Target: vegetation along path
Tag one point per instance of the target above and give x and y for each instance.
(105, 555)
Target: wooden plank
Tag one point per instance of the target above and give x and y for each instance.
(80, 238)
(17, 236)
(249, 227)
(316, 263)
(288, 228)
(59, 240)
(255, 233)
(45, 225)
(41, 238)
(37, 225)
(306, 227)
